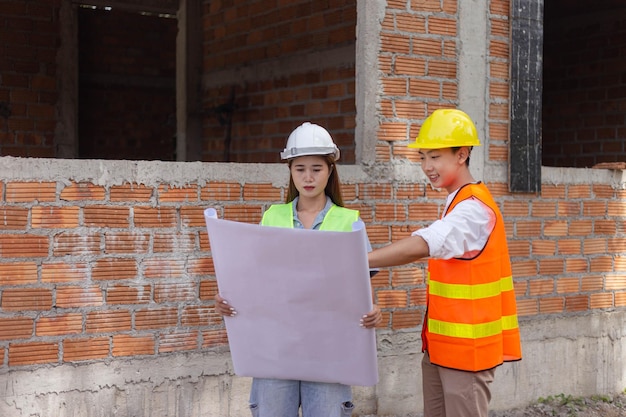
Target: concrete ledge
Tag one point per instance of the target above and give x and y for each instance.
(102, 172)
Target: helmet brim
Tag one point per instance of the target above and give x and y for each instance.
(416, 145)
(320, 151)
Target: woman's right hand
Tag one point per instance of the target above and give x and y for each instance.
(222, 307)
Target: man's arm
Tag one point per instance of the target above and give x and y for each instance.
(401, 252)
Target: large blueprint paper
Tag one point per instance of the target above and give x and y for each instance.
(299, 295)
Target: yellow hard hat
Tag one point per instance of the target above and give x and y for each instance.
(446, 128)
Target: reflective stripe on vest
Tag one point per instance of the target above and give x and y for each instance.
(471, 292)
(473, 331)
(338, 219)
(472, 320)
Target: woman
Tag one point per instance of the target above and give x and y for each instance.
(313, 201)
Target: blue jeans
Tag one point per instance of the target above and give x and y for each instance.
(283, 398)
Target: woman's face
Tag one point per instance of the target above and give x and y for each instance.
(310, 175)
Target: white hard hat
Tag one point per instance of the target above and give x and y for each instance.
(309, 139)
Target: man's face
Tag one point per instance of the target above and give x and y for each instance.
(443, 166)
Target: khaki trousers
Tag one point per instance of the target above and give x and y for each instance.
(453, 393)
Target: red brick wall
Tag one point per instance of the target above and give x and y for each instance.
(418, 61)
(29, 37)
(584, 90)
(91, 272)
(251, 35)
(567, 248)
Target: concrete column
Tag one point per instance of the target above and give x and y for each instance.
(473, 73)
(188, 82)
(370, 15)
(66, 132)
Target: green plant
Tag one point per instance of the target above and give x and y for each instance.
(603, 398)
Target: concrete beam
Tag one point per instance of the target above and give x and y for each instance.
(152, 6)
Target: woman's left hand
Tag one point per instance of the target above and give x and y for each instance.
(372, 318)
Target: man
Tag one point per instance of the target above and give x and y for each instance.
(471, 324)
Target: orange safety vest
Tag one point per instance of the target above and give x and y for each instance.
(471, 317)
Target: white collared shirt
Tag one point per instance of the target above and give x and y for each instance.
(462, 233)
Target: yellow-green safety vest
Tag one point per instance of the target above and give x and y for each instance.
(338, 219)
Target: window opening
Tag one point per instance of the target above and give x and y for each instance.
(584, 122)
(126, 84)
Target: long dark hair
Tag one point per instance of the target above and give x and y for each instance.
(333, 187)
